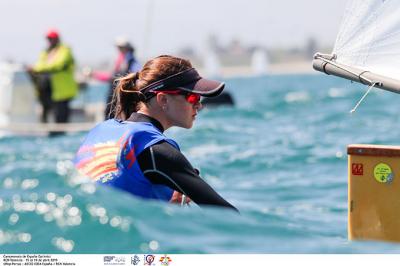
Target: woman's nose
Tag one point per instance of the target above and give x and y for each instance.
(198, 106)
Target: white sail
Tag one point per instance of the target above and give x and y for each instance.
(259, 62)
(369, 37)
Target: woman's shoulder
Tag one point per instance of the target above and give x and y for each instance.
(142, 128)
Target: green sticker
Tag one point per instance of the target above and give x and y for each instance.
(383, 173)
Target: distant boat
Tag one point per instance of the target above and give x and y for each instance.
(367, 50)
(212, 68)
(19, 108)
(212, 65)
(259, 62)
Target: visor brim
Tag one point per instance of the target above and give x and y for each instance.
(204, 87)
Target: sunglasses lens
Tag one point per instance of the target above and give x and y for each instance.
(193, 98)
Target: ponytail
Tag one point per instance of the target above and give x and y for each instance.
(126, 97)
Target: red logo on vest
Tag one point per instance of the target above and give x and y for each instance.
(357, 169)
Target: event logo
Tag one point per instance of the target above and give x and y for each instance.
(149, 259)
(135, 260)
(165, 260)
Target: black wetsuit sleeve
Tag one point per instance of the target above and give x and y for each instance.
(164, 164)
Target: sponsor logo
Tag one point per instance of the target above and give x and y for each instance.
(357, 169)
(383, 173)
(157, 87)
(108, 258)
(149, 259)
(165, 260)
(114, 260)
(135, 260)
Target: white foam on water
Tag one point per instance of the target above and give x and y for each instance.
(207, 149)
(337, 92)
(298, 96)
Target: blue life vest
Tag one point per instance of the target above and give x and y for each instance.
(108, 156)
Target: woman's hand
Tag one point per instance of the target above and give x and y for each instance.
(177, 198)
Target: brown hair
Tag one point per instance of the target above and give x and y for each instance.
(127, 95)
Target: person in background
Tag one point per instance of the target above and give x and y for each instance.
(54, 76)
(125, 63)
(130, 152)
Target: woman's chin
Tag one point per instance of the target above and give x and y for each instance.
(189, 125)
(185, 124)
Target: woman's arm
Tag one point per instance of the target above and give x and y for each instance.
(164, 164)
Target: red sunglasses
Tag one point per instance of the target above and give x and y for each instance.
(192, 98)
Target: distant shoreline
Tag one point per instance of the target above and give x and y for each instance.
(296, 67)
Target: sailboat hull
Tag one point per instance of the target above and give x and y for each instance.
(374, 198)
(19, 108)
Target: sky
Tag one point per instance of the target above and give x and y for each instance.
(162, 26)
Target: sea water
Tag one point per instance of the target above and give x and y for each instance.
(278, 155)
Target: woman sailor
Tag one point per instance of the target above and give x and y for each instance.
(130, 152)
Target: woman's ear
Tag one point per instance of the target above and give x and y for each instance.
(162, 100)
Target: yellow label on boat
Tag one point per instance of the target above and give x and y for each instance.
(383, 173)
(374, 198)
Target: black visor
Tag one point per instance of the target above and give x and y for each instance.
(188, 80)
